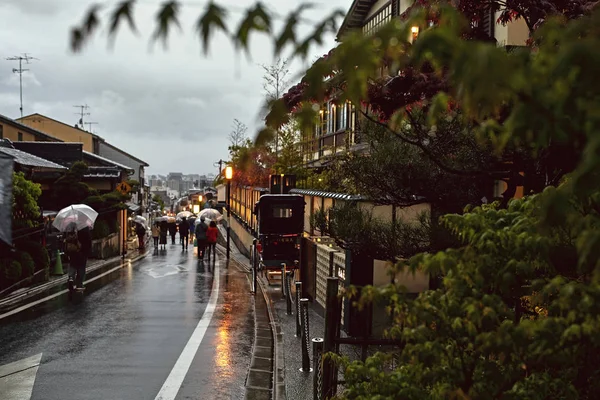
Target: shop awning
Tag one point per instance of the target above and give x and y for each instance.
(132, 206)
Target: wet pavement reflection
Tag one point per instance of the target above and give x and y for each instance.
(123, 337)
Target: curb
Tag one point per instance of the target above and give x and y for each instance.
(278, 391)
(55, 287)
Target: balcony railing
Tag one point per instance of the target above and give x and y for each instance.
(323, 147)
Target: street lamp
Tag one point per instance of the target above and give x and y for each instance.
(228, 176)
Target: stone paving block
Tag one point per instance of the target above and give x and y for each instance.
(264, 333)
(259, 379)
(264, 364)
(264, 352)
(264, 342)
(257, 394)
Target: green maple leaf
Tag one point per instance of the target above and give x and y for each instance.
(166, 17)
(213, 18)
(257, 19)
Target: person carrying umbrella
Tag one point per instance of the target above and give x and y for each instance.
(78, 245)
(184, 230)
(76, 221)
(172, 230)
(163, 234)
(211, 239)
(140, 231)
(201, 229)
(155, 234)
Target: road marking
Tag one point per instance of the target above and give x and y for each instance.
(52, 296)
(175, 379)
(17, 378)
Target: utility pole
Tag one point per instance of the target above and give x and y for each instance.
(27, 58)
(220, 165)
(89, 124)
(81, 113)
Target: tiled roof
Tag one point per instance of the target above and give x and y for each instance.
(103, 172)
(331, 195)
(106, 160)
(30, 160)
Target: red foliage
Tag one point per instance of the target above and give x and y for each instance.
(534, 12)
(389, 94)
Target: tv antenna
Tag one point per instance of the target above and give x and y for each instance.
(82, 111)
(22, 58)
(89, 124)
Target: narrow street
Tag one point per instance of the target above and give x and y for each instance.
(147, 333)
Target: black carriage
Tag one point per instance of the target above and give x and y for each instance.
(280, 227)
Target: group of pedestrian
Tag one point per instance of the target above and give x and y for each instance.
(206, 235)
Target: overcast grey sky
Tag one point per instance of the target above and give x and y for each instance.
(173, 108)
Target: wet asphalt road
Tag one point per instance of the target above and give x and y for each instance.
(122, 339)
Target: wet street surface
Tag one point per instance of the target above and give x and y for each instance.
(152, 330)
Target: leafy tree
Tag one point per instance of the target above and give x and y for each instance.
(252, 164)
(70, 188)
(26, 212)
(516, 315)
(156, 198)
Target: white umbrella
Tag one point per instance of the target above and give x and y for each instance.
(211, 213)
(140, 220)
(79, 215)
(186, 214)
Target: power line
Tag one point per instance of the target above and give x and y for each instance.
(27, 58)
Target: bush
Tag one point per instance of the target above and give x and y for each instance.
(27, 264)
(38, 253)
(10, 272)
(101, 230)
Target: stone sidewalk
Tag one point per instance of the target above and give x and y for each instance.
(294, 384)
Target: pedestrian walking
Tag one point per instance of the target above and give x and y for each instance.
(78, 245)
(191, 223)
(184, 230)
(140, 231)
(172, 231)
(200, 232)
(163, 234)
(212, 233)
(155, 234)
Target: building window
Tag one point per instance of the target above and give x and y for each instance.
(1, 132)
(19, 136)
(381, 17)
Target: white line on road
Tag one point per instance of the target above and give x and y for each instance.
(175, 379)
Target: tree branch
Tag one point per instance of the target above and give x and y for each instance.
(426, 151)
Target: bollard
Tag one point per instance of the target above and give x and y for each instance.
(332, 324)
(58, 267)
(283, 280)
(298, 295)
(305, 334)
(288, 290)
(254, 261)
(255, 275)
(317, 368)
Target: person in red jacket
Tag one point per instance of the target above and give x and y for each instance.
(211, 239)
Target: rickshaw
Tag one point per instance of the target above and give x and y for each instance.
(280, 227)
